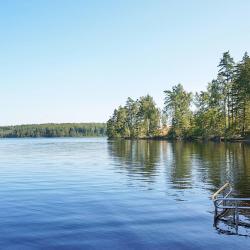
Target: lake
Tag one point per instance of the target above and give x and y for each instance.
(91, 193)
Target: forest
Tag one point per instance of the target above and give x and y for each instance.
(54, 130)
(221, 111)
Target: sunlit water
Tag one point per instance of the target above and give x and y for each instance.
(96, 194)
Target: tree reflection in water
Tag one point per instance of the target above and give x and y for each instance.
(137, 156)
(185, 164)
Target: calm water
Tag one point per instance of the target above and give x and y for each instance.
(95, 194)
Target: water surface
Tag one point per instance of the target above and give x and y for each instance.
(91, 193)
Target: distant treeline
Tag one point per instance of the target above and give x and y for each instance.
(54, 130)
(222, 110)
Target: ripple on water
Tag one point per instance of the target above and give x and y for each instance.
(94, 194)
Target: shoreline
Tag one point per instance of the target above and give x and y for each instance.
(195, 139)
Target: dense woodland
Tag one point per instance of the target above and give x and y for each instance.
(54, 130)
(222, 110)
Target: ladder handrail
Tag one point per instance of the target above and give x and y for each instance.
(214, 196)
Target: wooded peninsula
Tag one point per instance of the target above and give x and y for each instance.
(222, 111)
(54, 130)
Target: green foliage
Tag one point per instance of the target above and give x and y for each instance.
(209, 117)
(54, 130)
(242, 95)
(222, 110)
(149, 115)
(226, 77)
(140, 118)
(177, 107)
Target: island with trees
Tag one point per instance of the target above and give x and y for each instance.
(222, 111)
(54, 130)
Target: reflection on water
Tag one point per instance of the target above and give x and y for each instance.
(137, 156)
(226, 226)
(90, 193)
(187, 163)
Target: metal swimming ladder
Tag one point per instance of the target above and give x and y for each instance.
(223, 203)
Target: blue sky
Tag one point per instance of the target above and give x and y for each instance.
(75, 61)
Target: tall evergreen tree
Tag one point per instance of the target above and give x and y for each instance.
(226, 75)
(177, 107)
(132, 108)
(209, 114)
(242, 86)
(149, 114)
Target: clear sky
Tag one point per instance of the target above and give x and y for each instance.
(75, 61)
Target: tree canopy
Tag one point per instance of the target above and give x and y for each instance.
(222, 110)
(140, 118)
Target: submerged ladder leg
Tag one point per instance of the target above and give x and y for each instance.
(215, 216)
(237, 217)
(234, 213)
